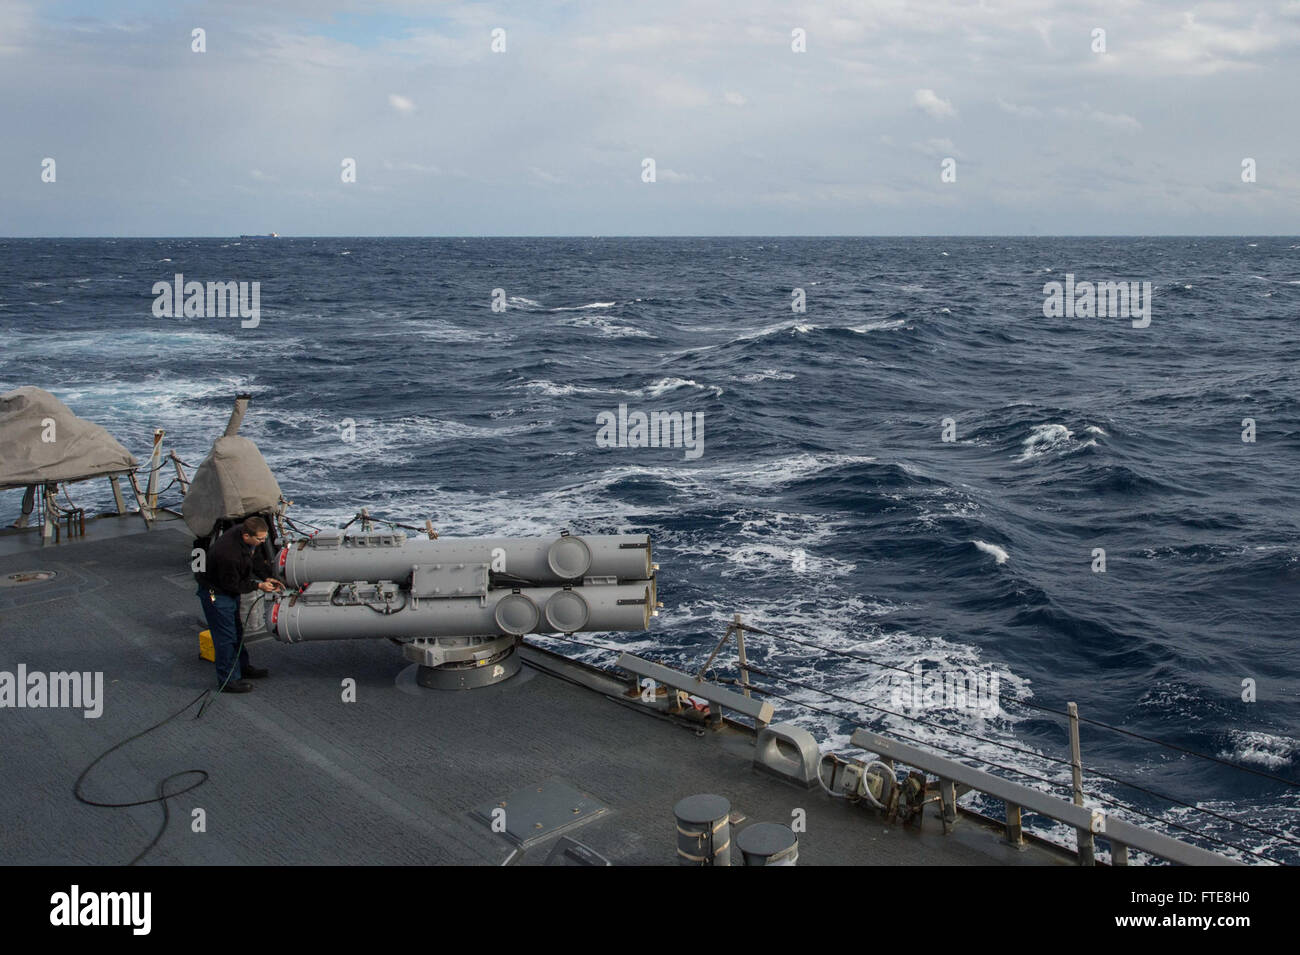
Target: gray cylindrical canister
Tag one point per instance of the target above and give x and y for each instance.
(768, 843)
(608, 607)
(703, 830)
(540, 560)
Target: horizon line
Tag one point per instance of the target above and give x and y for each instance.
(737, 235)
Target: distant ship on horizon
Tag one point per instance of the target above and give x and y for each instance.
(269, 235)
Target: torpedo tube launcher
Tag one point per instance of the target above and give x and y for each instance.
(459, 606)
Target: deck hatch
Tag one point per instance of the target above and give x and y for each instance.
(535, 813)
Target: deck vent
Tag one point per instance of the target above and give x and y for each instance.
(790, 752)
(569, 852)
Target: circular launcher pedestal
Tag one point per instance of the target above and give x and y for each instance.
(469, 674)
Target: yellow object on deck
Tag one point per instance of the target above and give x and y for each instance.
(206, 650)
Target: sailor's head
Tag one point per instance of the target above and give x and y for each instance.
(255, 531)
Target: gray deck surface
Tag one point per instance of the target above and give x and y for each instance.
(300, 777)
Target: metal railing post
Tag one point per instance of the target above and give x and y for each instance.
(139, 499)
(155, 463)
(181, 479)
(1015, 834)
(1086, 850)
(740, 644)
(49, 516)
(712, 656)
(117, 494)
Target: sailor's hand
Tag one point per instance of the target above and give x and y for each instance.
(270, 586)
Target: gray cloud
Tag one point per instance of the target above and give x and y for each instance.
(748, 135)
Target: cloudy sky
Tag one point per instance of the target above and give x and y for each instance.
(1046, 134)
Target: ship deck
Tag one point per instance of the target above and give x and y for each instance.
(297, 776)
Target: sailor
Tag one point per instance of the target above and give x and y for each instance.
(230, 573)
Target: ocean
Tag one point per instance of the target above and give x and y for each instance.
(927, 470)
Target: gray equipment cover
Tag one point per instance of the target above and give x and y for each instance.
(79, 450)
(232, 482)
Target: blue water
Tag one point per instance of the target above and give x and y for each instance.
(822, 435)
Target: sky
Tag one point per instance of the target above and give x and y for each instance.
(1043, 125)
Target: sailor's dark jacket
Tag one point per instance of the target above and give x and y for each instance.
(230, 564)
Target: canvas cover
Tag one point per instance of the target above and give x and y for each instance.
(232, 482)
(79, 450)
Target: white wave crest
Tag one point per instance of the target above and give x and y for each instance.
(603, 325)
(580, 308)
(1045, 438)
(562, 391)
(998, 554)
(665, 385)
(1264, 749)
(877, 326)
(767, 374)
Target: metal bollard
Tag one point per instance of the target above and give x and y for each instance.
(703, 830)
(768, 843)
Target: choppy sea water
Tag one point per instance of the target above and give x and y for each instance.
(825, 505)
